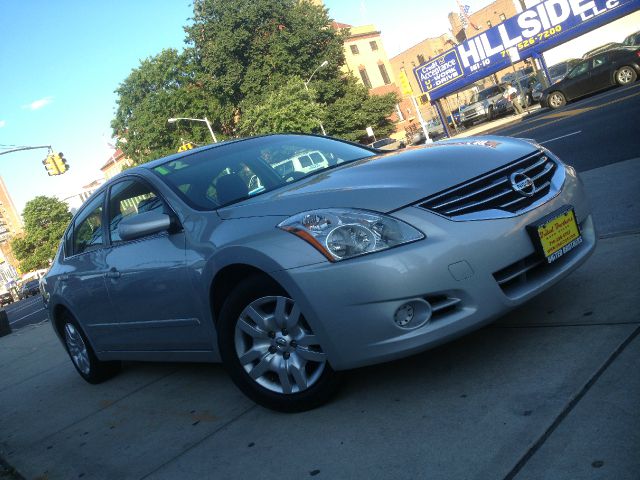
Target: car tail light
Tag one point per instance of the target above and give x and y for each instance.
(637, 53)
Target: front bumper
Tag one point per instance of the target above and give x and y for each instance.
(350, 305)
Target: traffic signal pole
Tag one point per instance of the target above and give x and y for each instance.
(54, 163)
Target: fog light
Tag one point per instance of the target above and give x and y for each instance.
(413, 314)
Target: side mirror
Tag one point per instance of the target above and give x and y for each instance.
(143, 224)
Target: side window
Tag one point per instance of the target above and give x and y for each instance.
(129, 198)
(87, 231)
(579, 69)
(599, 60)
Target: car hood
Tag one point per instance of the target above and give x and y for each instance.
(389, 181)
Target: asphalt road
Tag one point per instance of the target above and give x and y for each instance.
(26, 312)
(593, 132)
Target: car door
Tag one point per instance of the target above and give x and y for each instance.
(577, 81)
(600, 71)
(147, 278)
(82, 281)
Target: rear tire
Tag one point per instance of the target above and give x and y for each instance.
(626, 76)
(269, 350)
(82, 355)
(557, 100)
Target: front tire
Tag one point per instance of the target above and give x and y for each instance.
(270, 351)
(557, 100)
(82, 355)
(626, 76)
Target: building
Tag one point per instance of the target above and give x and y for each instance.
(484, 19)
(116, 163)
(75, 201)
(10, 226)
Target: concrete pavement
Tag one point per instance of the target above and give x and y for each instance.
(549, 391)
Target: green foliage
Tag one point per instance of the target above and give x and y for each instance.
(245, 68)
(45, 219)
(162, 87)
(290, 108)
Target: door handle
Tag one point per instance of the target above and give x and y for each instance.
(113, 273)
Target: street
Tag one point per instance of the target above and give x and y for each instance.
(549, 391)
(26, 312)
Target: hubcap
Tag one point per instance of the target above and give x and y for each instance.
(624, 76)
(77, 348)
(276, 346)
(556, 100)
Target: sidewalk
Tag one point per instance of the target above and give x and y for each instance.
(499, 122)
(550, 391)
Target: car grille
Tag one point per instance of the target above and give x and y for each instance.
(493, 192)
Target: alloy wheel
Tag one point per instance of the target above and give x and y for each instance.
(276, 347)
(77, 348)
(556, 100)
(625, 76)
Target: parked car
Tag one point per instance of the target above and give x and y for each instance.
(29, 289)
(435, 129)
(302, 162)
(387, 144)
(620, 66)
(632, 40)
(603, 48)
(6, 299)
(379, 256)
(556, 72)
(482, 106)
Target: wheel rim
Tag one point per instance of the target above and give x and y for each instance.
(625, 75)
(555, 100)
(276, 346)
(77, 348)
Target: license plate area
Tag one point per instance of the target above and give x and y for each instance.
(556, 234)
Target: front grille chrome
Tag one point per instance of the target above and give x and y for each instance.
(493, 195)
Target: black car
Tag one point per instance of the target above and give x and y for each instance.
(632, 40)
(30, 289)
(6, 299)
(620, 66)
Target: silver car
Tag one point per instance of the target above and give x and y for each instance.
(375, 257)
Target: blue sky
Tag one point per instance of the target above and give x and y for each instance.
(62, 60)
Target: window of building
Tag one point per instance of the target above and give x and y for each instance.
(365, 77)
(424, 99)
(354, 49)
(374, 45)
(385, 75)
(399, 113)
(489, 23)
(503, 17)
(420, 59)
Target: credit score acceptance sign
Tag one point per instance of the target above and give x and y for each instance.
(531, 32)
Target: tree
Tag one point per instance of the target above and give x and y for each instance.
(290, 108)
(245, 60)
(162, 87)
(45, 219)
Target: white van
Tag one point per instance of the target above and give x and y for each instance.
(303, 162)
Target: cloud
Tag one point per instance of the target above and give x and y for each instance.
(43, 102)
(2, 123)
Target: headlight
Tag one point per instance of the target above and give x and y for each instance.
(344, 233)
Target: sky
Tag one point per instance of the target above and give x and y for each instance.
(63, 59)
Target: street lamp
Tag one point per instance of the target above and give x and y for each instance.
(306, 86)
(204, 120)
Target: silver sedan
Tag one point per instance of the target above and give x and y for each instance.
(291, 276)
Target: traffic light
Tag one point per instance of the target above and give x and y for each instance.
(185, 146)
(61, 163)
(50, 165)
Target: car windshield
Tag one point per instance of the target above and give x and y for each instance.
(234, 171)
(558, 70)
(486, 93)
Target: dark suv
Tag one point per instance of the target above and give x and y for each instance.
(30, 289)
(6, 299)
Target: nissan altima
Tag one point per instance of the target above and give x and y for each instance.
(289, 277)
